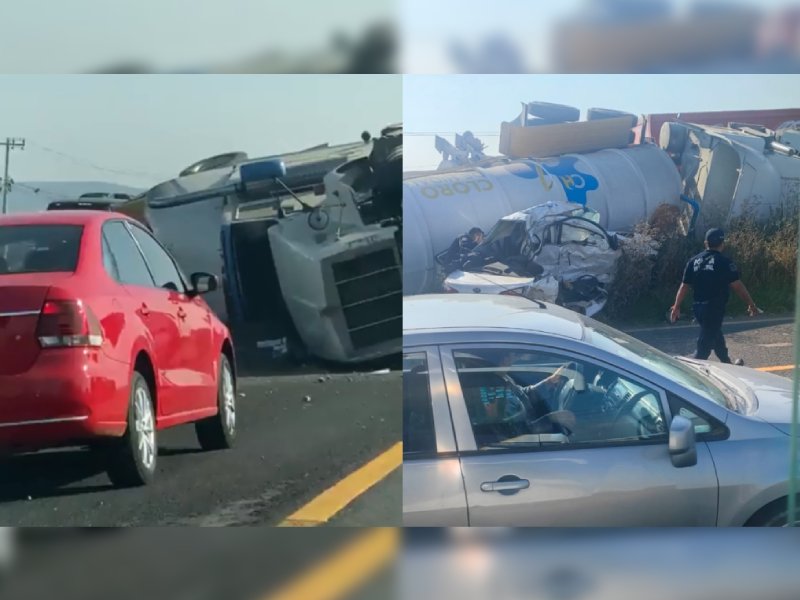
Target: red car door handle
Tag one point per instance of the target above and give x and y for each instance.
(144, 309)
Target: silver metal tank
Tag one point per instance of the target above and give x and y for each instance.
(624, 185)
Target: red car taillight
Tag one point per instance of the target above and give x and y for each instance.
(68, 324)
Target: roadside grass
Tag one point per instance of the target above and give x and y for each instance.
(650, 269)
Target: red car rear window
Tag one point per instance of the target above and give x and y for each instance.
(39, 248)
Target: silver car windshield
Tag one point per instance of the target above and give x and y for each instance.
(625, 346)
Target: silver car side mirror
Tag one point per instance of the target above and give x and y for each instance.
(682, 443)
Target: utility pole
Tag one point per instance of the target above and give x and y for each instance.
(10, 144)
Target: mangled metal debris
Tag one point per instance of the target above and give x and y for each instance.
(555, 252)
(734, 170)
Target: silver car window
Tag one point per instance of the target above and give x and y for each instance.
(427, 426)
(629, 348)
(419, 432)
(519, 398)
(580, 232)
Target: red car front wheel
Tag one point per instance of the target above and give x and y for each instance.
(219, 432)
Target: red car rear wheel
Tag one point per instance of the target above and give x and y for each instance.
(133, 458)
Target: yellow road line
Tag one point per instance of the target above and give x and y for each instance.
(345, 570)
(776, 368)
(322, 508)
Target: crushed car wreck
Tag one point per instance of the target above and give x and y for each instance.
(554, 252)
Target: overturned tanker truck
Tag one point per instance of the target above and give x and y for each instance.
(735, 169)
(307, 245)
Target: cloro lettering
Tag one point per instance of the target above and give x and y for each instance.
(457, 187)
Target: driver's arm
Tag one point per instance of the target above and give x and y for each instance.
(540, 394)
(547, 383)
(555, 377)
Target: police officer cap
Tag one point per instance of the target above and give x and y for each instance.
(715, 237)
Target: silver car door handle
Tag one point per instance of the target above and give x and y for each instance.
(505, 486)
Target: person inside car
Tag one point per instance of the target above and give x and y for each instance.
(503, 399)
(461, 248)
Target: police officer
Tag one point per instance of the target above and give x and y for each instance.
(473, 238)
(711, 275)
(461, 247)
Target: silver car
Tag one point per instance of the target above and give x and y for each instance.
(519, 413)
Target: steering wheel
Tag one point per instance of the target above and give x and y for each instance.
(627, 409)
(609, 403)
(515, 418)
(565, 391)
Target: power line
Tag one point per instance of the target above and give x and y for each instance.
(35, 190)
(93, 165)
(10, 144)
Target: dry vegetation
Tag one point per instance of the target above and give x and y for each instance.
(654, 257)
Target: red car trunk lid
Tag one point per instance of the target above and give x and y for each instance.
(21, 301)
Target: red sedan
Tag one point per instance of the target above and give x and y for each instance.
(104, 341)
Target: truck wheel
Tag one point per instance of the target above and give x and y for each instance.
(214, 162)
(554, 112)
(596, 114)
(219, 432)
(132, 460)
(539, 122)
(673, 137)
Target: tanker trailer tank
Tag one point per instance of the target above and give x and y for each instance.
(624, 185)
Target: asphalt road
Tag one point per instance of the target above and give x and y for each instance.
(288, 451)
(762, 341)
(178, 564)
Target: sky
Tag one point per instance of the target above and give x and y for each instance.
(60, 36)
(141, 130)
(447, 104)
(429, 26)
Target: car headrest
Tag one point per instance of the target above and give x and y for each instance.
(575, 379)
(579, 381)
(41, 260)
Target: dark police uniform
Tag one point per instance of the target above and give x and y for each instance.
(710, 274)
(456, 254)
